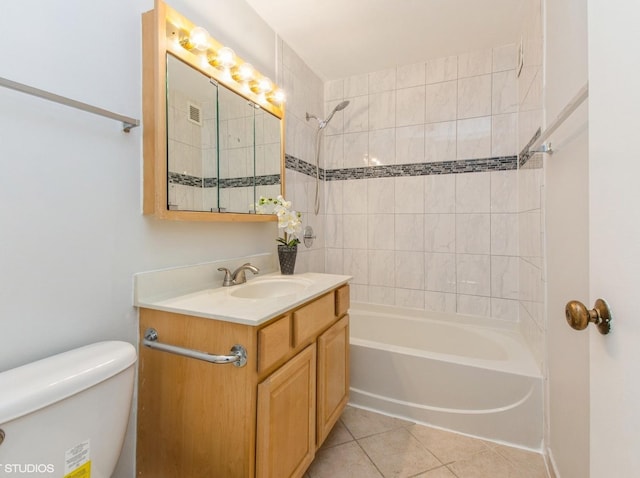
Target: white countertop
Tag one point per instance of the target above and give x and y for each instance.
(219, 303)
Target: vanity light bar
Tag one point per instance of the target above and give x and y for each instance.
(224, 58)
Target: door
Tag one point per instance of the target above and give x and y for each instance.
(592, 181)
(614, 224)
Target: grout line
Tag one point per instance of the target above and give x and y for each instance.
(451, 471)
(370, 459)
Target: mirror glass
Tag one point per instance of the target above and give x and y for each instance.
(223, 151)
(192, 150)
(237, 163)
(268, 154)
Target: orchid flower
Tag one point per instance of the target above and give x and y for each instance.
(288, 220)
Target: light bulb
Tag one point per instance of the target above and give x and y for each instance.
(225, 58)
(199, 38)
(262, 85)
(244, 72)
(277, 97)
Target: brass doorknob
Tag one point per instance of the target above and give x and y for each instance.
(578, 316)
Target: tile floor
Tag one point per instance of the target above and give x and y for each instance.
(364, 444)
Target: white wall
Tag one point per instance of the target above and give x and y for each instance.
(567, 279)
(71, 231)
(567, 230)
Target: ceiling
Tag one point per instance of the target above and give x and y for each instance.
(339, 38)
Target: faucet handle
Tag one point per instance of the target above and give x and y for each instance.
(227, 281)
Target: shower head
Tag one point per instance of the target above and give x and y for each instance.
(342, 105)
(339, 107)
(323, 123)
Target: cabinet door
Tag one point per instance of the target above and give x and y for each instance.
(195, 419)
(286, 418)
(333, 376)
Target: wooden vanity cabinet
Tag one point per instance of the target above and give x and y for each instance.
(263, 420)
(333, 377)
(287, 418)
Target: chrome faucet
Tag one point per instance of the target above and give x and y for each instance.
(238, 276)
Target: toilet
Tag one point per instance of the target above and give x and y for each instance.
(66, 415)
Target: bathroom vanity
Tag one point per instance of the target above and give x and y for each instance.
(264, 419)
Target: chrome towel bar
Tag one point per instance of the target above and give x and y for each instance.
(238, 356)
(127, 123)
(540, 145)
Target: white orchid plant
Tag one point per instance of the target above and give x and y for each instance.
(288, 219)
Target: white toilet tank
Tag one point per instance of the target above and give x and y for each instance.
(66, 416)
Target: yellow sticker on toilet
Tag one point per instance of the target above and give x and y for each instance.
(83, 472)
(77, 461)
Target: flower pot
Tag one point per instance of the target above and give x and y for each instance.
(287, 257)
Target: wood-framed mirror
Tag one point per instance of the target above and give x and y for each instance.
(213, 142)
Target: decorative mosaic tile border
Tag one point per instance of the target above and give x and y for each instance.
(502, 163)
(525, 154)
(268, 180)
(301, 166)
(499, 163)
(187, 180)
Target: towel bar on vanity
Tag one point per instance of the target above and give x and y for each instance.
(238, 356)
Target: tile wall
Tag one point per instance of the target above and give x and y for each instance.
(421, 236)
(531, 187)
(413, 235)
(304, 94)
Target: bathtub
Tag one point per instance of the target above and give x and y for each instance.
(466, 374)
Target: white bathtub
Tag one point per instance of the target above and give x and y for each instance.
(467, 374)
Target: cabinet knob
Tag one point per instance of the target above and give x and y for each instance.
(579, 317)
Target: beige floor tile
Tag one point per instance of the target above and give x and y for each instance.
(486, 464)
(398, 454)
(362, 423)
(337, 436)
(447, 446)
(389, 447)
(342, 461)
(528, 463)
(442, 472)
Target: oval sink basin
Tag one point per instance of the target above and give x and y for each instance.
(270, 288)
